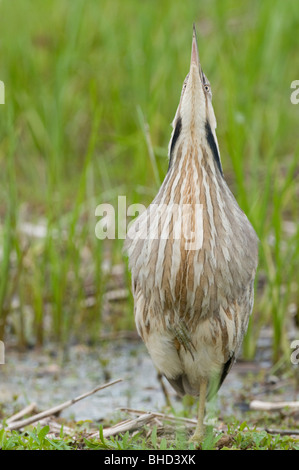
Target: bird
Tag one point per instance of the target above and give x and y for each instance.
(193, 256)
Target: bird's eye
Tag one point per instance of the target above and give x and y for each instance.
(207, 88)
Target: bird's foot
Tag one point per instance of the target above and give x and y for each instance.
(197, 437)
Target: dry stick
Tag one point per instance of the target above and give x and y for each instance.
(283, 432)
(130, 425)
(55, 427)
(124, 426)
(273, 406)
(58, 408)
(25, 411)
(161, 415)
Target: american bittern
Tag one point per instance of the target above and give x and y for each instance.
(193, 256)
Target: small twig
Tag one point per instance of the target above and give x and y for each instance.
(127, 425)
(283, 432)
(161, 415)
(25, 411)
(58, 408)
(56, 427)
(273, 406)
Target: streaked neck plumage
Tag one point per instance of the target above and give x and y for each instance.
(195, 122)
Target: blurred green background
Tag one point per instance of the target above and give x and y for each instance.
(91, 88)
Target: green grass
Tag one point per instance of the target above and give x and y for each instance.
(83, 80)
(241, 436)
(35, 439)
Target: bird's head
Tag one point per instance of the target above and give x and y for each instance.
(195, 118)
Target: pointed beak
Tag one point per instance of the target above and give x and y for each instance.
(194, 52)
(194, 55)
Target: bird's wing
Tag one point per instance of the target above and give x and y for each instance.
(242, 310)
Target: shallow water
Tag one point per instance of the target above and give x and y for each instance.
(50, 378)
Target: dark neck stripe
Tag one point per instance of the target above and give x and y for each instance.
(176, 134)
(213, 146)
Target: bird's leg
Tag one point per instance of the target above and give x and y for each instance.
(164, 389)
(199, 431)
